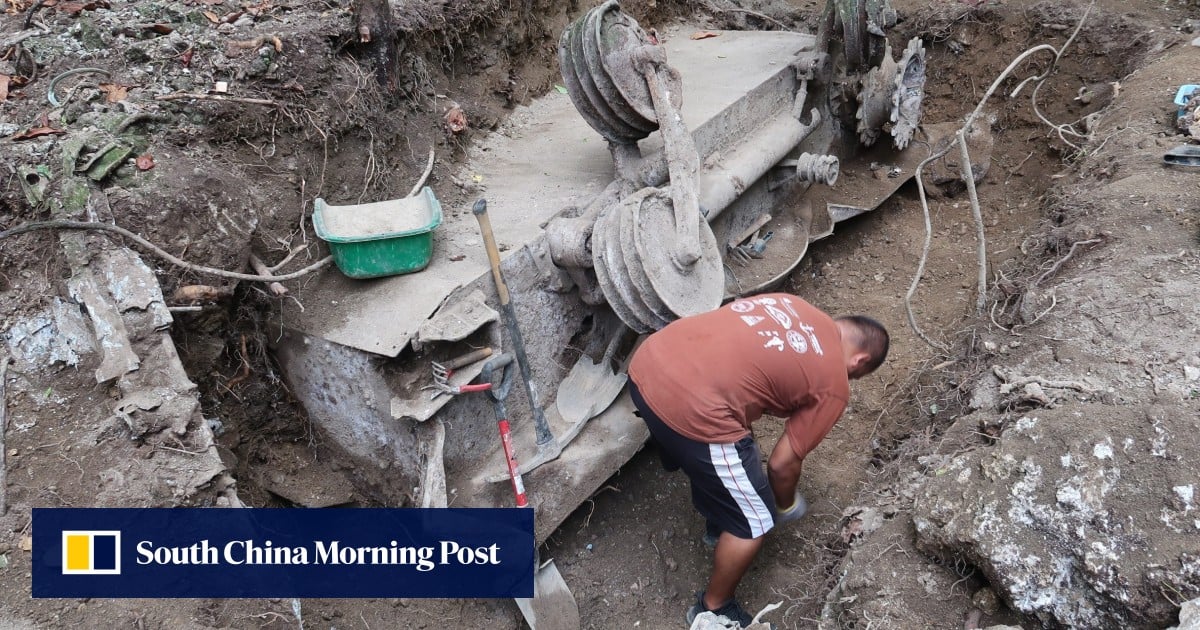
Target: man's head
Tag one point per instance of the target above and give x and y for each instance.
(864, 343)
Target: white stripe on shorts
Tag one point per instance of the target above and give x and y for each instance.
(728, 465)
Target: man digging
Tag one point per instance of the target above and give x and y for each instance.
(700, 382)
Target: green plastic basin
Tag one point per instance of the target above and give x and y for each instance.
(385, 238)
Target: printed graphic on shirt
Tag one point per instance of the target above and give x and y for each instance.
(788, 305)
(779, 316)
(797, 342)
(812, 336)
(799, 338)
(773, 340)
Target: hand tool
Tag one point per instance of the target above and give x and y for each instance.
(548, 448)
(552, 606)
(741, 254)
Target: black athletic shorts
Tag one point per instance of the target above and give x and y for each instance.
(729, 485)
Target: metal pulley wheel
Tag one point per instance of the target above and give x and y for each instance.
(595, 58)
(862, 25)
(632, 255)
(852, 16)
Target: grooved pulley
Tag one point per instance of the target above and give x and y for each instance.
(601, 79)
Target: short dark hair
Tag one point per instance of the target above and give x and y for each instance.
(872, 338)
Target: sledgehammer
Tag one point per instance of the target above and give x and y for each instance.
(548, 447)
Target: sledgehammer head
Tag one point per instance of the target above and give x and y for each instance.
(480, 207)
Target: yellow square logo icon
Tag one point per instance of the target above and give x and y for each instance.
(91, 552)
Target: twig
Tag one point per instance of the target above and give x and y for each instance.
(1017, 168)
(185, 309)
(296, 612)
(270, 614)
(993, 316)
(16, 38)
(970, 180)
(158, 251)
(257, 42)
(262, 269)
(177, 96)
(31, 12)
(371, 167)
(916, 281)
(3, 425)
(1042, 79)
(245, 371)
(1053, 303)
(424, 176)
(981, 246)
(1012, 381)
(1057, 265)
(178, 450)
(286, 259)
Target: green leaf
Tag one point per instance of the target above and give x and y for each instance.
(561, 89)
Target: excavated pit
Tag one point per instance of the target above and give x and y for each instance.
(631, 552)
(903, 408)
(865, 267)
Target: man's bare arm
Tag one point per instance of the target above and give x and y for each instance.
(783, 472)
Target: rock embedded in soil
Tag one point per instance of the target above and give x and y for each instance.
(1055, 514)
(1189, 616)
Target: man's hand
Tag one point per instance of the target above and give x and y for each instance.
(798, 509)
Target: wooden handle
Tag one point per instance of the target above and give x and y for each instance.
(748, 232)
(467, 359)
(489, 243)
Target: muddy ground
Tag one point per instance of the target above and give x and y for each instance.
(231, 179)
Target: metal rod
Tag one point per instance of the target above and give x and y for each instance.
(751, 159)
(684, 164)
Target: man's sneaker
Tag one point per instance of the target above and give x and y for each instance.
(731, 612)
(712, 533)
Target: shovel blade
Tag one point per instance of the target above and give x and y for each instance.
(553, 606)
(588, 390)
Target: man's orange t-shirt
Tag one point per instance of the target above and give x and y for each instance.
(711, 375)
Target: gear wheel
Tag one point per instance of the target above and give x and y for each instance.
(908, 93)
(875, 99)
(891, 96)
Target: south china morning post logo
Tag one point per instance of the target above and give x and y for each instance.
(91, 552)
(321, 552)
(212, 552)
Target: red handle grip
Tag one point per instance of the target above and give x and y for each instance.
(510, 458)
